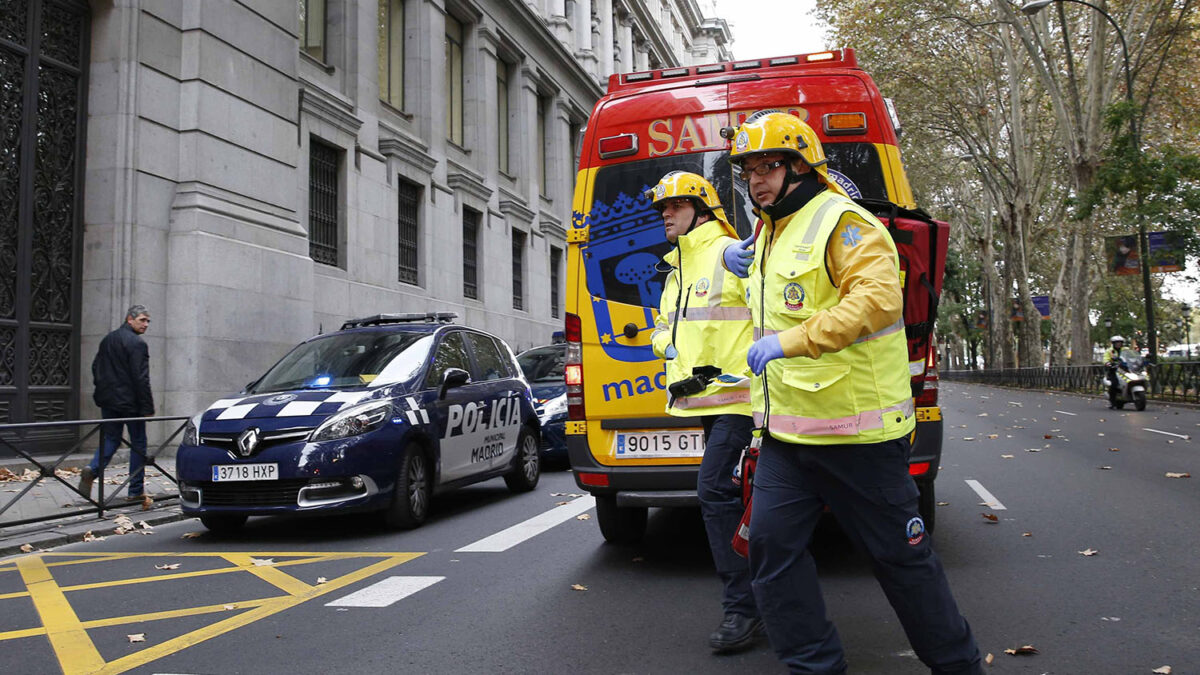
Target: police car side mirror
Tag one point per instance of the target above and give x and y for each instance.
(453, 377)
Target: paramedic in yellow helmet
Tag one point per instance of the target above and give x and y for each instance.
(703, 321)
(832, 399)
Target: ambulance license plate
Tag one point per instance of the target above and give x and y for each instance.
(224, 473)
(639, 444)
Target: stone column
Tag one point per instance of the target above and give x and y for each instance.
(556, 17)
(625, 39)
(642, 57)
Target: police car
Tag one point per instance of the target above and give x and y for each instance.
(379, 416)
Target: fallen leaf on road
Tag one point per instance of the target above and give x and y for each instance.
(943, 503)
(1164, 670)
(583, 516)
(1047, 436)
(1172, 474)
(1006, 456)
(1088, 552)
(989, 658)
(137, 637)
(263, 562)
(1106, 468)
(230, 606)
(26, 548)
(1025, 650)
(1114, 449)
(968, 438)
(982, 415)
(170, 566)
(561, 503)
(578, 587)
(991, 517)
(144, 525)
(88, 536)
(1100, 434)
(993, 435)
(321, 580)
(1033, 449)
(191, 535)
(1026, 534)
(122, 530)
(1014, 403)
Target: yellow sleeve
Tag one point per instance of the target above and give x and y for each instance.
(870, 297)
(660, 339)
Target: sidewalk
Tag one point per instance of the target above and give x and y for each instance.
(50, 497)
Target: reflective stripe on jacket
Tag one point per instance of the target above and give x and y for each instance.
(712, 328)
(857, 394)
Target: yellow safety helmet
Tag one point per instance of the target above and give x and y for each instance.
(773, 131)
(692, 186)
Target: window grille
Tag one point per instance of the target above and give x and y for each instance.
(555, 279)
(470, 254)
(323, 201)
(410, 199)
(518, 269)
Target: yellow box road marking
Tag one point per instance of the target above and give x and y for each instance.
(72, 646)
(76, 652)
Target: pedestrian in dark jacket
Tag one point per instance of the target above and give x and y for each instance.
(121, 372)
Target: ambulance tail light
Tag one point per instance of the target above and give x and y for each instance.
(574, 368)
(618, 146)
(918, 468)
(593, 479)
(928, 397)
(820, 56)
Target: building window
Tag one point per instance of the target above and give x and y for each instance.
(312, 28)
(391, 52)
(543, 180)
(454, 80)
(470, 254)
(410, 199)
(323, 202)
(502, 115)
(518, 269)
(555, 279)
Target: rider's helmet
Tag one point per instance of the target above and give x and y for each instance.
(690, 186)
(1115, 339)
(774, 131)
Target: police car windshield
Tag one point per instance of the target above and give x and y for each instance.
(344, 360)
(544, 364)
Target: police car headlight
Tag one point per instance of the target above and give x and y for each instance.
(555, 407)
(191, 431)
(353, 421)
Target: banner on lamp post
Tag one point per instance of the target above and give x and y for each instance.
(1167, 253)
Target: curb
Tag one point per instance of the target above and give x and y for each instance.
(68, 534)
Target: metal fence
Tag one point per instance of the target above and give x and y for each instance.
(1170, 381)
(14, 436)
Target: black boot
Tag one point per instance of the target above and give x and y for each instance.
(735, 634)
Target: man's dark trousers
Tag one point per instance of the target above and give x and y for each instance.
(110, 440)
(725, 436)
(869, 490)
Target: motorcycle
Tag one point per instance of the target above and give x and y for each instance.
(1132, 381)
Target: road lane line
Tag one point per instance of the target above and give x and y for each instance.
(1064, 412)
(986, 496)
(1167, 433)
(506, 539)
(386, 592)
(75, 651)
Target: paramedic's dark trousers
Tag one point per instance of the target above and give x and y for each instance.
(870, 491)
(721, 506)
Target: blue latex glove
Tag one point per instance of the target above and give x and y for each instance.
(762, 351)
(670, 352)
(737, 257)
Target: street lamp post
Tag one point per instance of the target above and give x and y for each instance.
(1031, 8)
(1187, 329)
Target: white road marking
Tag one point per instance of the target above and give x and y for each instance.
(386, 592)
(506, 539)
(986, 496)
(1167, 433)
(1064, 412)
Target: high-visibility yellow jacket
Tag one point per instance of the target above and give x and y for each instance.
(713, 327)
(830, 287)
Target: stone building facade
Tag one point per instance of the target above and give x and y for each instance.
(255, 171)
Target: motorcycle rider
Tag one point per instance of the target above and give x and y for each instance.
(703, 321)
(1113, 362)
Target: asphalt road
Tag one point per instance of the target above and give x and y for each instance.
(1132, 607)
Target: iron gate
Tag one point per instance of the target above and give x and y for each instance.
(43, 111)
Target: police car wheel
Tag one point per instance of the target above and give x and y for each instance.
(927, 504)
(410, 497)
(223, 524)
(527, 467)
(620, 524)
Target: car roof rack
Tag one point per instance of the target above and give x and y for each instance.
(406, 317)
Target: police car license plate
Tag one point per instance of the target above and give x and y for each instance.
(231, 472)
(639, 444)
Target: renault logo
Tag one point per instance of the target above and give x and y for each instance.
(247, 441)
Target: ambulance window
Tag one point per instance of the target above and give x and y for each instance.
(626, 240)
(861, 172)
(489, 365)
(451, 353)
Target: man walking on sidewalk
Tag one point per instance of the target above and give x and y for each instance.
(121, 372)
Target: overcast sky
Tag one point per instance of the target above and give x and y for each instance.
(772, 27)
